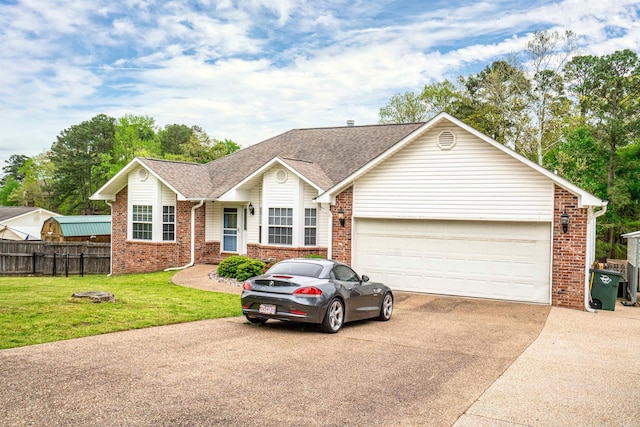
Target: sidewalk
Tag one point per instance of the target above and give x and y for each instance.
(583, 370)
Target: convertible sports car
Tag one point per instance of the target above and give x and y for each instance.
(311, 290)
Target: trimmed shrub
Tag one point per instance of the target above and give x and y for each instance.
(313, 256)
(240, 267)
(229, 266)
(250, 268)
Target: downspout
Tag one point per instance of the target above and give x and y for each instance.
(193, 239)
(110, 204)
(587, 282)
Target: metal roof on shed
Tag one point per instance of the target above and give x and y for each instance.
(84, 225)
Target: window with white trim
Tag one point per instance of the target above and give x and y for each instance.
(168, 223)
(310, 221)
(142, 222)
(281, 226)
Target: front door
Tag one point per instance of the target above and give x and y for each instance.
(230, 230)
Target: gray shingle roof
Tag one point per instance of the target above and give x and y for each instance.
(325, 156)
(190, 179)
(8, 212)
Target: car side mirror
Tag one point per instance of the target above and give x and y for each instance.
(365, 278)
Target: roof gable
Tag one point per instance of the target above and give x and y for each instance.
(585, 198)
(10, 213)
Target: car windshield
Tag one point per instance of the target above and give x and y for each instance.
(296, 269)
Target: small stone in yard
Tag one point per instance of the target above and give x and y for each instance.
(95, 296)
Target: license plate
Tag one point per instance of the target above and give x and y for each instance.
(267, 309)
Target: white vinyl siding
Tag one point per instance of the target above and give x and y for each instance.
(168, 196)
(280, 194)
(632, 250)
(142, 192)
(213, 222)
(253, 221)
(487, 259)
(472, 180)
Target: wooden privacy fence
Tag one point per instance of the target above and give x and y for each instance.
(23, 258)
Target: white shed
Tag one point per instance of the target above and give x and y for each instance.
(633, 260)
(22, 223)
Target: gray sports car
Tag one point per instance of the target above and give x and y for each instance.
(319, 291)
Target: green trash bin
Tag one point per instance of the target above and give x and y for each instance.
(604, 288)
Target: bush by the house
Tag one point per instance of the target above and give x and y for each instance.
(313, 256)
(240, 267)
(250, 268)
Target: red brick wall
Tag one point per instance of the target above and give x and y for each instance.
(569, 252)
(341, 236)
(279, 253)
(145, 257)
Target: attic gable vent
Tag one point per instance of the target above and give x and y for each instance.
(143, 174)
(446, 140)
(281, 176)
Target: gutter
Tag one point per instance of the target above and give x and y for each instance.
(587, 282)
(193, 238)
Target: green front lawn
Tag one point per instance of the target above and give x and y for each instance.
(36, 310)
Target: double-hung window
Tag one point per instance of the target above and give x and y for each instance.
(142, 221)
(310, 221)
(281, 226)
(168, 223)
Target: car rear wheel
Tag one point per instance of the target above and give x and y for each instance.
(256, 320)
(334, 318)
(387, 307)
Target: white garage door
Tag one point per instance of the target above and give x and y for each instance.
(498, 260)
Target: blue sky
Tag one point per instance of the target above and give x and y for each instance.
(249, 70)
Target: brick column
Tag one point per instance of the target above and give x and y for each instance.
(341, 236)
(119, 232)
(569, 252)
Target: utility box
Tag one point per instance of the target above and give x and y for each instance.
(604, 288)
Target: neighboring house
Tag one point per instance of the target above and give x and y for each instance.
(77, 228)
(431, 207)
(22, 223)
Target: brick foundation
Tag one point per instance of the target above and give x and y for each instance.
(279, 252)
(569, 252)
(341, 236)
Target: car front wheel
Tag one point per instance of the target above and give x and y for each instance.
(334, 317)
(387, 307)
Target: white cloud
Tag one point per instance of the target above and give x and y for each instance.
(249, 70)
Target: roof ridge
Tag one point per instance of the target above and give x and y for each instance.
(182, 162)
(297, 160)
(359, 126)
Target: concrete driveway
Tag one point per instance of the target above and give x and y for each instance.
(426, 366)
